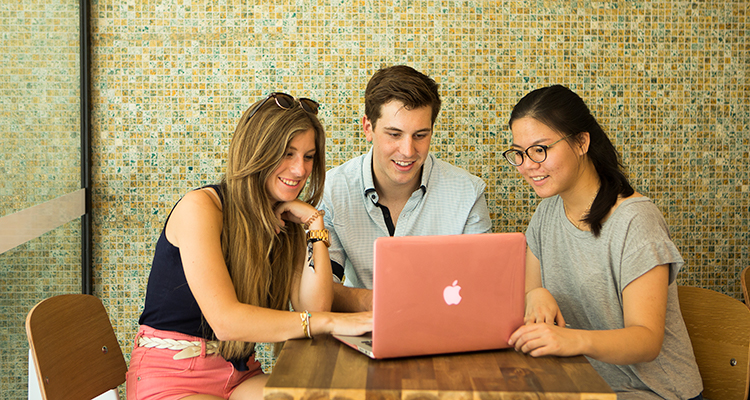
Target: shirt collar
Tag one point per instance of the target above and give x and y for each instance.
(369, 182)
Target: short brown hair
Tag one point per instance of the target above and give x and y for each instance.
(402, 83)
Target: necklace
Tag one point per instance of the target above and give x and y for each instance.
(575, 221)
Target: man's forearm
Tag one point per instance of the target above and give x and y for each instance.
(347, 299)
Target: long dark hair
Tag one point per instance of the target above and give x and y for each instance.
(565, 112)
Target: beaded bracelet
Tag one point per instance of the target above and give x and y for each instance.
(316, 214)
(305, 317)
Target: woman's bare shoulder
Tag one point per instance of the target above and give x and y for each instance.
(203, 197)
(198, 212)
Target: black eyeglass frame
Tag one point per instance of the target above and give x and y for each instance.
(309, 105)
(507, 154)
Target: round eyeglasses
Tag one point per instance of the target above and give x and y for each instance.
(287, 101)
(536, 153)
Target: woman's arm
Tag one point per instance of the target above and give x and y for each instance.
(644, 312)
(316, 291)
(195, 227)
(312, 288)
(540, 305)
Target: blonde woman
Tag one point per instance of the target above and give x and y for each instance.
(232, 258)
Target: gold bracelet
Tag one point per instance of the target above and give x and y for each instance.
(316, 214)
(305, 317)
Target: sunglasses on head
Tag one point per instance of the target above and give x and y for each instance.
(287, 102)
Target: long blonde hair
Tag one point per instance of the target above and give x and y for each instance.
(261, 263)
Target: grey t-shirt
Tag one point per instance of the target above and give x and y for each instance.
(586, 275)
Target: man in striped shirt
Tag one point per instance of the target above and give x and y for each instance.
(398, 188)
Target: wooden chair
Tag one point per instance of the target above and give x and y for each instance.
(74, 348)
(719, 328)
(745, 280)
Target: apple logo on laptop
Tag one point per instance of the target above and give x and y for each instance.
(451, 295)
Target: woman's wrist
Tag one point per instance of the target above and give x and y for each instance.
(314, 219)
(316, 224)
(584, 345)
(321, 323)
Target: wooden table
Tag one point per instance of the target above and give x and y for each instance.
(323, 368)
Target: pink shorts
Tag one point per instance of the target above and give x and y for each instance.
(154, 374)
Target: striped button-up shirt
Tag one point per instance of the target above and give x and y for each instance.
(449, 201)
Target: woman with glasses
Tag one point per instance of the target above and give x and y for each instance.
(601, 266)
(234, 257)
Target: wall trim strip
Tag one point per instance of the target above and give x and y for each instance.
(30, 223)
(87, 285)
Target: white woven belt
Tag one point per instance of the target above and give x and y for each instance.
(186, 348)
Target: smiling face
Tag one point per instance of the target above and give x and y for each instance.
(560, 172)
(286, 182)
(401, 141)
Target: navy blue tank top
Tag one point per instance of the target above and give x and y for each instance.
(170, 305)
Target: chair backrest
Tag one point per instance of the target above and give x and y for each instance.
(74, 347)
(719, 328)
(745, 280)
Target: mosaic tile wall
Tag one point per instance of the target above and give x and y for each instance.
(39, 102)
(43, 267)
(668, 80)
(39, 161)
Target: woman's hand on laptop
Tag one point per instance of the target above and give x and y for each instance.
(541, 307)
(543, 339)
(348, 324)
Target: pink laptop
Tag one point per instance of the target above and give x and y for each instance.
(444, 294)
